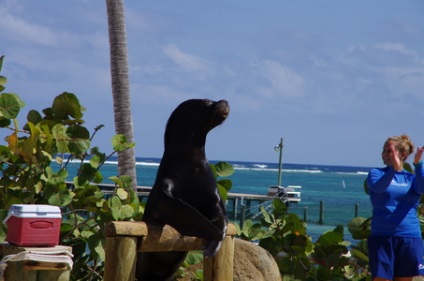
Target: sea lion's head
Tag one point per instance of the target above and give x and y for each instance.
(192, 120)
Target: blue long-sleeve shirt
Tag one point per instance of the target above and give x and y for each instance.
(395, 197)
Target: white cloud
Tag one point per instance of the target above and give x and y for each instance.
(18, 29)
(282, 81)
(391, 65)
(397, 47)
(187, 62)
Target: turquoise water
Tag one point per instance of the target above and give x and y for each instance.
(338, 188)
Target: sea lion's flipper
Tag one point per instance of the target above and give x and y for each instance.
(173, 211)
(196, 224)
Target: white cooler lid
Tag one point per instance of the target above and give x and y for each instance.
(33, 211)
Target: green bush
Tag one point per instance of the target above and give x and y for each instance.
(284, 235)
(57, 135)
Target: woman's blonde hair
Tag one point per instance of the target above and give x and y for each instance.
(403, 144)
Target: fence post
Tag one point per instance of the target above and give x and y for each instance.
(356, 210)
(242, 214)
(321, 212)
(305, 214)
(235, 207)
(121, 257)
(221, 266)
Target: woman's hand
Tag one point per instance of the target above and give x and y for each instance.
(418, 155)
(397, 161)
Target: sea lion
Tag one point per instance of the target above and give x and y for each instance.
(185, 194)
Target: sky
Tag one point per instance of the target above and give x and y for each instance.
(333, 78)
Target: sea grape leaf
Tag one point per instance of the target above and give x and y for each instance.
(225, 183)
(34, 116)
(4, 122)
(9, 106)
(125, 212)
(223, 193)
(67, 104)
(122, 194)
(62, 138)
(61, 198)
(1, 61)
(359, 227)
(193, 257)
(79, 140)
(119, 143)
(224, 169)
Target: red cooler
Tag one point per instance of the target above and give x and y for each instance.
(33, 225)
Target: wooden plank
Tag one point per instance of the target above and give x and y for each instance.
(168, 239)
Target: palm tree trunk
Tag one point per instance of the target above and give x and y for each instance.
(121, 85)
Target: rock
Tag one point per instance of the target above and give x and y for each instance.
(252, 262)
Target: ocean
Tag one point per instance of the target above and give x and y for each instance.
(337, 189)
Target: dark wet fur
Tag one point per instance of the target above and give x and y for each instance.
(185, 194)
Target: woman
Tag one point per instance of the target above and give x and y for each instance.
(395, 246)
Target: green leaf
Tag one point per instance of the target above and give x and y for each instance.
(4, 122)
(79, 140)
(194, 257)
(62, 138)
(61, 198)
(87, 172)
(223, 193)
(125, 212)
(119, 143)
(65, 105)
(225, 183)
(115, 202)
(122, 194)
(359, 227)
(267, 217)
(34, 116)
(224, 169)
(3, 80)
(98, 177)
(9, 106)
(96, 246)
(360, 255)
(1, 61)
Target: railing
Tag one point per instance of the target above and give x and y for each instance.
(317, 213)
(125, 239)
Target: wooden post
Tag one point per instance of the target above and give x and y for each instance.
(356, 210)
(122, 248)
(235, 207)
(121, 257)
(221, 266)
(305, 214)
(321, 212)
(242, 215)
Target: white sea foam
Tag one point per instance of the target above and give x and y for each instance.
(153, 164)
(260, 166)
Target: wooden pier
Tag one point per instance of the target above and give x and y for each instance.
(240, 206)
